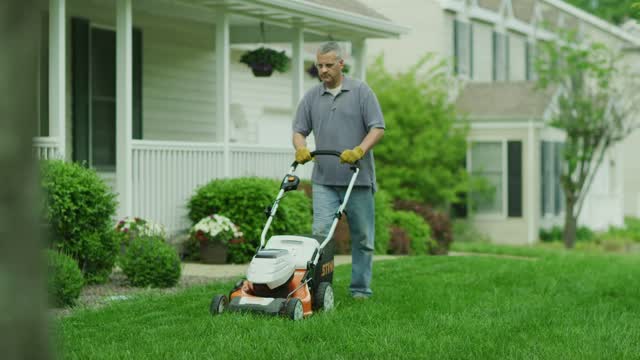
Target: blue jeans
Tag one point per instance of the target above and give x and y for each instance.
(361, 219)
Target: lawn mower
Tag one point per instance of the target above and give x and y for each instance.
(290, 275)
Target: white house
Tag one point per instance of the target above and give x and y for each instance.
(491, 44)
(150, 92)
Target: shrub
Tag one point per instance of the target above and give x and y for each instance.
(149, 261)
(438, 221)
(417, 232)
(384, 210)
(79, 207)
(244, 200)
(65, 279)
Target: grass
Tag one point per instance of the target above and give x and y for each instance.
(560, 305)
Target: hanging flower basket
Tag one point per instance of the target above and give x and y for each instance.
(263, 61)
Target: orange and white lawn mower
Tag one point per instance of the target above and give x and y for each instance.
(290, 275)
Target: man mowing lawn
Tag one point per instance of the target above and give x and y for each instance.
(343, 113)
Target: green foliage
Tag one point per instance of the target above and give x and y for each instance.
(439, 222)
(555, 233)
(149, 261)
(422, 154)
(244, 200)
(416, 228)
(384, 210)
(615, 11)
(79, 207)
(263, 55)
(630, 231)
(65, 279)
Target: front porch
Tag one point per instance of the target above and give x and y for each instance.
(150, 92)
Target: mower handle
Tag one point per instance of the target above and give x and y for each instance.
(294, 165)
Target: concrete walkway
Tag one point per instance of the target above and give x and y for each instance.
(234, 270)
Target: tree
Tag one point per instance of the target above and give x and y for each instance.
(23, 298)
(594, 109)
(422, 154)
(615, 11)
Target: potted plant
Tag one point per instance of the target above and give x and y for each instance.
(130, 228)
(214, 233)
(263, 61)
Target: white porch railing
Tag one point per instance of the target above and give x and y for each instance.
(166, 174)
(45, 148)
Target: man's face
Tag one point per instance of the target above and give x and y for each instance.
(329, 68)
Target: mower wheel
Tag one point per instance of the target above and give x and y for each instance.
(323, 298)
(218, 304)
(293, 309)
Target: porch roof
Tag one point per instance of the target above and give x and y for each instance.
(500, 100)
(320, 19)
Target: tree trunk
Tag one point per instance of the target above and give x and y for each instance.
(23, 299)
(570, 223)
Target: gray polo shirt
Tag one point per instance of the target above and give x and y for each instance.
(339, 123)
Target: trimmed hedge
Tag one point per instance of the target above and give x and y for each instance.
(417, 230)
(244, 200)
(439, 222)
(149, 261)
(79, 207)
(65, 279)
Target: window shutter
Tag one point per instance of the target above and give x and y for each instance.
(557, 188)
(137, 84)
(471, 51)
(495, 55)
(514, 170)
(460, 209)
(456, 54)
(80, 88)
(507, 60)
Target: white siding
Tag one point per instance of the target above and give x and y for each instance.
(261, 107)
(179, 94)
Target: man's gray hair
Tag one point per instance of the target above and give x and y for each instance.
(329, 47)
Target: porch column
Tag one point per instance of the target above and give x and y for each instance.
(359, 53)
(297, 67)
(223, 53)
(57, 73)
(124, 105)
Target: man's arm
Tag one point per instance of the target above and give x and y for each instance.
(299, 140)
(372, 138)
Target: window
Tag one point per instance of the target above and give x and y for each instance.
(551, 194)
(93, 59)
(487, 162)
(500, 56)
(463, 48)
(500, 165)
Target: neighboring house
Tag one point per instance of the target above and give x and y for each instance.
(150, 93)
(492, 44)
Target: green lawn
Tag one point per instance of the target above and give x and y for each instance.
(556, 305)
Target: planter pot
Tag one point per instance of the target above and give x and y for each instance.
(262, 70)
(213, 253)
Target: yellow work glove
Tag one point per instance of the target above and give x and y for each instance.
(351, 156)
(303, 155)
